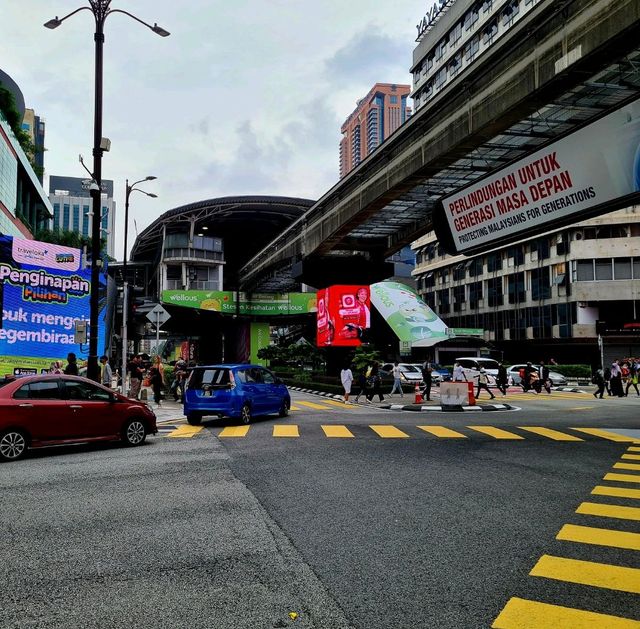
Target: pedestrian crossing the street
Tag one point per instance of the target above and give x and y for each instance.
(430, 432)
(602, 527)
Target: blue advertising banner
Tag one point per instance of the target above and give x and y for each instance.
(44, 290)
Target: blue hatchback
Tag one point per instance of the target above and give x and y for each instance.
(240, 391)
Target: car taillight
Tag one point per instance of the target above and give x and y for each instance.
(232, 381)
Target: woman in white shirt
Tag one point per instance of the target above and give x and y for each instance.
(346, 377)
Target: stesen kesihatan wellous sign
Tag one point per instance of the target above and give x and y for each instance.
(592, 171)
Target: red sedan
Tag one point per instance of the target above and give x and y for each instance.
(48, 410)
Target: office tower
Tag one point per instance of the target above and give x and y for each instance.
(71, 200)
(374, 119)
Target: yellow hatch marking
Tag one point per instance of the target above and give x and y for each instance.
(609, 511)
(611, 436)
(340, 404)
(185, 431)
(496, 433)
(599, 537)
(318, 407)
(556, 435)
(441, 431)
(337, 431)
(631, 457)
(588, 573)
(635, 467)
(520, 613)
(389, 432)
(285, 430)
(234, 431)
(618, 492)
(624, 478)
(294, 408)
(634, 449)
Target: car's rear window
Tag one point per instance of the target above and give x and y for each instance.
(210, 378)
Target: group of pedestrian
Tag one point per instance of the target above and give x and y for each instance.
(368, 382)
(617, 379)
(459, 375)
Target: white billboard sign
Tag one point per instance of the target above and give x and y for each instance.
(593, 166)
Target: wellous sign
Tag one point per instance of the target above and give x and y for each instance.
(255, 304)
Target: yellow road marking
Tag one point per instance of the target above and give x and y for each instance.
(234, 431)
(496, 433)
(185, 431)
(556, 435)
(627, 466)
(611, 436)
(318, 407)
(581, 408)
(618, 492)
(340, 404)
(609, 511)
(441, 431)
(337, 431)
(520, 613)
(389, 432)
(631, 457)
(294, 408)
(599, 537)
(588, 573)
(624, 478)
(285, 430)
(634, 449)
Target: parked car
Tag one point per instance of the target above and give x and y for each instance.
(238, 391)
(473, 364)
(408, 373)
(513, 372)
(48, 410)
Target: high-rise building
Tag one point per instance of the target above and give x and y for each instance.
(35, 126)
(374, 119)
(71, 200)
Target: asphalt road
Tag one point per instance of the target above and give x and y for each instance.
(198, 529)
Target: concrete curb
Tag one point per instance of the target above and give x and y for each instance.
(417, 408)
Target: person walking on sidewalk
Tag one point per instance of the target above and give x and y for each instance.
(598, 380)
(155, 377)
(362, 385)
(458, 373)
(427, 378)
(607, 380)
(545, 377)
(107, 372)
(502, 379)
(374, 378)
(397, 383)
(632, 378)
(346, 377)
(483, 383)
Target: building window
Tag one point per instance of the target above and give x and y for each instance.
(604, 270)
(562, 245)
(456, 32)
(76, 218)
(622, 268)
(540, 285)
(494, 292)
(458, 298)
(66, 223)
(475, 267)
(455, 64)
(636, 268)
(471, 18)
(441, 48)
(494, 262)
(487, 5)
(490, 32)
(443, 301)
(510, 12)
(393, 99)
(475, 294)
(471, 49)
(517, 253)
(441, 77)
(516, 289)
(584, 271)
(459, 272)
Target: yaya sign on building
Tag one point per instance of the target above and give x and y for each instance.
(344, 313)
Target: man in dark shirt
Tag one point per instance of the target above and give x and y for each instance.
(135, 377)
(72, 365)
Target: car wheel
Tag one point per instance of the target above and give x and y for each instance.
(284, 409)
(13, 445)
(245, 414)
(134, 432)
(194, 419)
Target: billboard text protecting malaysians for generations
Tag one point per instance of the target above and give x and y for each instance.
(45, 290)
(344, 314)
(589, 172)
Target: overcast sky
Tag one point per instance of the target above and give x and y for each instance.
(244, 97)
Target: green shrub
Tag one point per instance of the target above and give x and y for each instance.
(572, 371)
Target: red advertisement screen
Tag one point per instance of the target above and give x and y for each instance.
(344, 313)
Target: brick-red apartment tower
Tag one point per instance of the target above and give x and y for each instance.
(375, 118)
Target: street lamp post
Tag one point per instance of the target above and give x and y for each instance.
(101, 10)
(125, 283)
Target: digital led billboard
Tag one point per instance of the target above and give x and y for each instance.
(45, 289)
(344, 313)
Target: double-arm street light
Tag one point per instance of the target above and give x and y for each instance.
(101, 10)
(125, 285)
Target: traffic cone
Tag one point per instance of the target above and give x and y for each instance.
(418, 393)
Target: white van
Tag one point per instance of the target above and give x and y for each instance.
(472, 365)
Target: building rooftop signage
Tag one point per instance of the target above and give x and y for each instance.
(434, 12)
